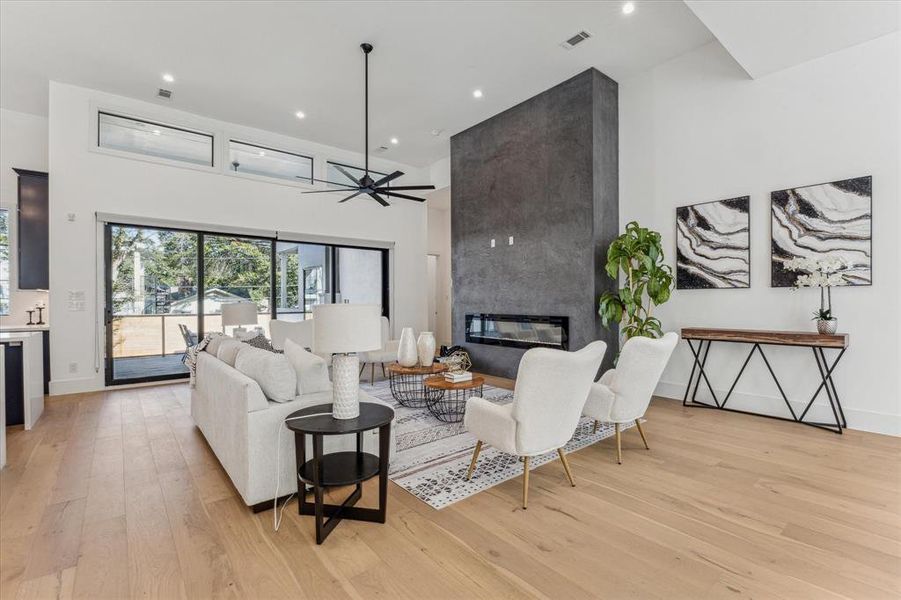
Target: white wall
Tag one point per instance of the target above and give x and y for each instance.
(23, 145)
(439, 243)
(696, 129)
(85, 180)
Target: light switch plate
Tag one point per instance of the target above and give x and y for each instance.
(492, 242)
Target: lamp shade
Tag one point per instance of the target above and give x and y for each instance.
(239, 313)
(339, 328)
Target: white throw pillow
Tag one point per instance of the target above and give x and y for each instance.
(272, 371)
(228, 350)
(312, 370)
(215, 341)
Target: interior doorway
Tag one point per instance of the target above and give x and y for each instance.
(432, 294)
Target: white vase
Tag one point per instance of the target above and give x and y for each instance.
(407, 355)
(426, 346)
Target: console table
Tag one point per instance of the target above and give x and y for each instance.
(816, 342)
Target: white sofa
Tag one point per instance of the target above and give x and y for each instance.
(241, 426)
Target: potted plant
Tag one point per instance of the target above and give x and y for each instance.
(824, 273)
(638, 255)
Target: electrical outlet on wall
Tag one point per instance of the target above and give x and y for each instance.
(492, 242)
(73, 367)
(510, 241)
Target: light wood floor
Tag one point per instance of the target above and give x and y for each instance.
(116, 495)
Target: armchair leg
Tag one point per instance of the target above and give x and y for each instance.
(525, 482)
(641, 433)
(596, 425)
(619, 445)
(384, 374)
(362, 368)
(371, 373)
(569, 474)
(475, 458)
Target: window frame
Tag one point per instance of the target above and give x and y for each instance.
(9, 261)
(100, 112)
(297, 180)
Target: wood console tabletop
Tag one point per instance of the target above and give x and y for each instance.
(761, 336)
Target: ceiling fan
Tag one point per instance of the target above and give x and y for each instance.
(375, 189)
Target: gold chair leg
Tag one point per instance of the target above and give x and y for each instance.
(475, 458)
(619, 445)
(641, 433)
(525, 482)
(596, 425)
(565, 462)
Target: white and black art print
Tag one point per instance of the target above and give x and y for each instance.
(713, 247)
(820, 221)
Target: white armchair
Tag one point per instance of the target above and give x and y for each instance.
(547, 402)
(386, 354)
(622, 394)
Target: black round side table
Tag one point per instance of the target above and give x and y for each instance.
(341, 468)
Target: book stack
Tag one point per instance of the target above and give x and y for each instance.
(458, 377)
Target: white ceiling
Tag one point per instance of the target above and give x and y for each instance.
(768, 36)
(256, 63)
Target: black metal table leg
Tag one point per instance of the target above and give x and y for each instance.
(317, 486)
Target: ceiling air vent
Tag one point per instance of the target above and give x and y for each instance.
(576, 39)
(166, 94)
(381, 149)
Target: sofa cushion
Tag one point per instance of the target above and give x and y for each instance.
(215, 341)
(228, 350)
(299, 332)
(271, 371)
(312, 370)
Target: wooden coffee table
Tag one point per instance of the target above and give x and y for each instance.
(407, 385)
(447, 400)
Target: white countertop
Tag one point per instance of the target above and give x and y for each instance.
(18, 336)
(44, 327)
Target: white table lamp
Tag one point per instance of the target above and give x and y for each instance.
(238, 314)
(342, 329)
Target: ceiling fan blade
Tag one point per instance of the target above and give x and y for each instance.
(354, 195)
(347, 185)
(346, 173)
(378, 199)
(344, 190)
(387, 178)
(395, 195)
(411, 187)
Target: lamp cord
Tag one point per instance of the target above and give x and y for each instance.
(276, 513)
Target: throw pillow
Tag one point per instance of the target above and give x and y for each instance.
(228, 351)
(260, 341)
(213, 345)
(312, 370)
(271, 371)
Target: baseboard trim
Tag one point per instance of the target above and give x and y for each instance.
(861, 420)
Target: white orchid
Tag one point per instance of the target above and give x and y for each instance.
(824, 273)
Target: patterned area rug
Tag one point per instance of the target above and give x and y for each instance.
(432, 457)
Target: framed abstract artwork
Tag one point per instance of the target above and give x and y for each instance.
(713, 245)
(823, 220)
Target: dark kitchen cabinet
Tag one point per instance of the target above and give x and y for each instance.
(34, 230)
(15, 390)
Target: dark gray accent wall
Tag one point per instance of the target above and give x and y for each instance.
(544, 172)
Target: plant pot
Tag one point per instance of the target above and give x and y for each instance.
(407, 354)
(827, 326)
(426, 347)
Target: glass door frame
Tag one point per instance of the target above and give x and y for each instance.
(108, 316)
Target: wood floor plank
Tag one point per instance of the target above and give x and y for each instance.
(117, 495)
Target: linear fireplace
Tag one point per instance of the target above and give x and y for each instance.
(518, 331)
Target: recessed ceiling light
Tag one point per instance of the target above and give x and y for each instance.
(157, 132)
(394, 140)
(628, 8)
(168, 78)
(299, 114)
(477, 93)
(261, 153)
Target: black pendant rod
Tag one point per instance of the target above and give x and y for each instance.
(367, 48)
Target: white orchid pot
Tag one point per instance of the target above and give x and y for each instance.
(407, 352)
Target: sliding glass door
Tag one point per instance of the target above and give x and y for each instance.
(151, 315)
(166, 287)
